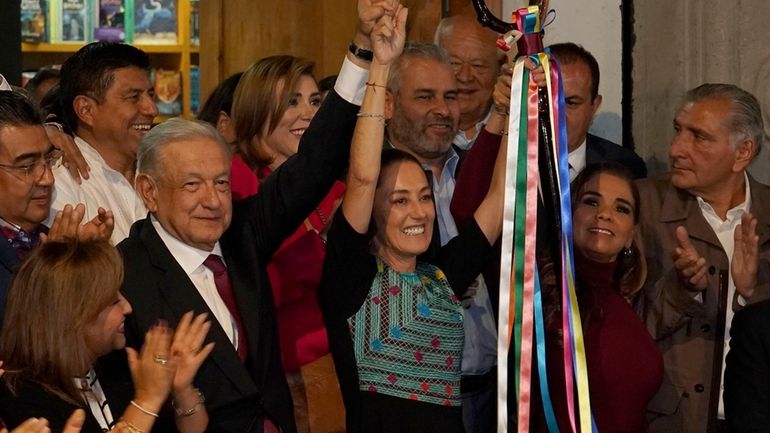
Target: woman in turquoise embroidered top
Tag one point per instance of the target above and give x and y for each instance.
(394, 322)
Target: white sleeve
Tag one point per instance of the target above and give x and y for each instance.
(351, 82)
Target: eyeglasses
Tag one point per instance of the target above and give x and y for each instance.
(35, 170)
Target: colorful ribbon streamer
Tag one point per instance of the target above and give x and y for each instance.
(521, 307)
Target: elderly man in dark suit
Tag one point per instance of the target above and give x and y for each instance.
(197, 250)
(580, 76)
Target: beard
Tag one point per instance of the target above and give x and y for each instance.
(415, 135)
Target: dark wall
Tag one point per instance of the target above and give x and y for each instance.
(10, 41)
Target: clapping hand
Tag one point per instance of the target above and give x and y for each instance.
(745, 256)
(689, 264)
(153, 368)
(40, 425)
(187, 348)
(66, 225)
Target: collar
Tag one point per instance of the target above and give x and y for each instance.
(450, 165)
(189, 258)
(737, 211)
(462, 141)
(94, 158)
(577, 158)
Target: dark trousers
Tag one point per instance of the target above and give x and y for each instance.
(479, 394)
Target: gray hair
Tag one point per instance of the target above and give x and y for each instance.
(444, 29)
(171, 131)
(414, 50)
(745, 119)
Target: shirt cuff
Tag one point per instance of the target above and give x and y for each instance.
(351, 82)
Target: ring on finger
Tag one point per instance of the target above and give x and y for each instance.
(160, 359)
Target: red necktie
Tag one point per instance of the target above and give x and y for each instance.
(225, 289)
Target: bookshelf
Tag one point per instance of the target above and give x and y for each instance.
(177, 56)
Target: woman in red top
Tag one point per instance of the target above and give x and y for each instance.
(625, 367)
(274, 102)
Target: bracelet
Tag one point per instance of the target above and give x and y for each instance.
(192, 410)
(143, 410)
(130, 427)
(380, 117)
(374, 86)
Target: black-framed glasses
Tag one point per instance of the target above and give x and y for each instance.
(35, 170)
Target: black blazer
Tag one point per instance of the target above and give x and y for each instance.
(239, 395)
(600, 150)
(747, 376)
(8, 262)
(32, 400)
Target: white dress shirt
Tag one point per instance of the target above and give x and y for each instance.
(725, 231)
(191, 260)
(577, 161)
(480, 344)
(464, 142)
(105, 188)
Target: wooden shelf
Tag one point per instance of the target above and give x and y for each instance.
(177, 56)
(71, 48)
(27, 47)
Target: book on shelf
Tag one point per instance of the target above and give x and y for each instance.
(195, 89)
(111, 17)
(34, 21)
(155, 22)
(71, 21)
(168, 91)
(195, 22)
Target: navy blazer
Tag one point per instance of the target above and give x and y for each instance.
(600, 150)
(239, 395)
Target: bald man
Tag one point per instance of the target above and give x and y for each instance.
(476, 63)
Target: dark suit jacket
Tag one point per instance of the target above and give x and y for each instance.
(8, 262)
(239, 395)
(747, 378)
(601, 150)
(32, 400)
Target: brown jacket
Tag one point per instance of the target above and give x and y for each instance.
(685, 328)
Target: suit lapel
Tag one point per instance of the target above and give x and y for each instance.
(182, 296)
(592, 152)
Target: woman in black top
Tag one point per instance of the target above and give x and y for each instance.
(395, 323)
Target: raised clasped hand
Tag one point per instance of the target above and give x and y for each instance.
(389, 35)
(369, 11)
